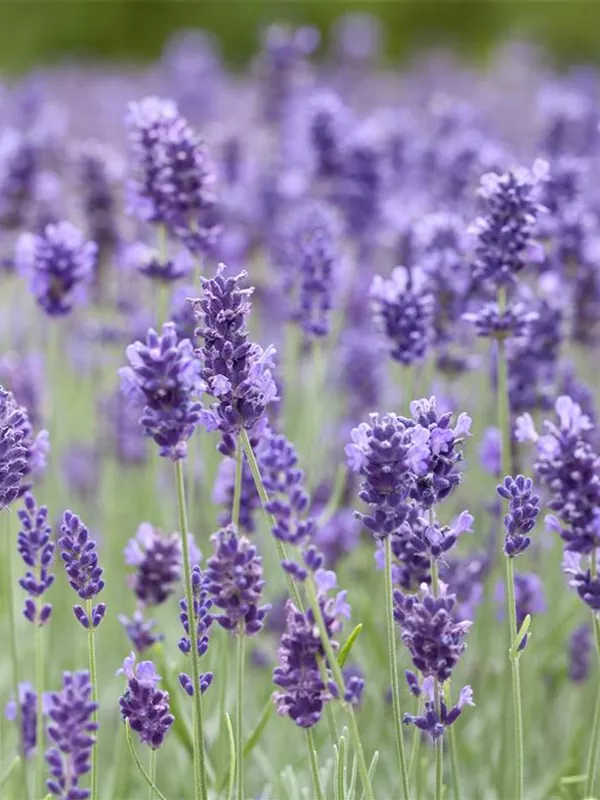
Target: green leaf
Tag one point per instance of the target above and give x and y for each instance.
(254, 737)
(514, 650)
(372, 768)
(232, 765)
(341, 755)
(348, 645)
(9, 770)
(138, 764)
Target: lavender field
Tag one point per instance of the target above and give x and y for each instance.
(299, 465)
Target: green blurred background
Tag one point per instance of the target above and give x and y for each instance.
(43, 31)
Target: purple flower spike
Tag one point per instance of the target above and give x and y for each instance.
(164, 378)
(237, 372)
(37, 551)
(234, 578)
(13, 450)
(522, 514)
(27, 717)
(158, 559)
(140, 631)
(580, 652)
(147, 262)
(203, 619)
(72, 731)
(431, 721)
(79, 554)
(58, 263)
(145, 707)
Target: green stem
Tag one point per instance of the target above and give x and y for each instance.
(454, 771)
(237, 489)
(200, 789)
(94, 682)
(152, 774)
(239, 709)
(593, 754)
(516, 680)
(314, 765)
(439, 742)
(139, 765)
(393, 660)
(39, 687)
(14, 655)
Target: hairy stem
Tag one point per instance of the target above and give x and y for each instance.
(237, 489)
(151, 785)
(39, 720)
(239, 712)
(439, 742)
(139, 764)
(94, 681)
(454, 771)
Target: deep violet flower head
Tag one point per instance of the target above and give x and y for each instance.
(224, 490)
(148, 262)
(430, 720)
(164, 379)
(79, 554)
(523, 510)
(567, 466)
(203, 620)
(388, 451)
(580, 653)
(58, 264)
(145, 707)
(580, 578)
(36, 548)
(72, 731)
(27, 714)
(403, 311)
(504, 234)
(158, 560)
(429, 630)
(140, 631)
(13, 451)
(236, 371)
(234, 579)
(171, 180)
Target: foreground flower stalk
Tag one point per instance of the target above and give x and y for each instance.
(439, 742)
(595, 736)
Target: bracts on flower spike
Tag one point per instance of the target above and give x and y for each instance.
(145, 707)
(79, 554)
(203, 620)
(37, 551)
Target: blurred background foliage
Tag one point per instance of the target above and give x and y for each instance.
(38, 32)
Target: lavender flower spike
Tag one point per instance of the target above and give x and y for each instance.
(80, 557)
(203, 619)
(144, 706)
(37, 551)
(158, 560)
(523, 509)
(27, 716)
(72, 732)
(430, 720)
(13, 451)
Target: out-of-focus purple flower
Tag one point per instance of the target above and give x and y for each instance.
(523, 510)
(570, 121)
(13, 452)
(182, 313)
(203, 619)
(79, 554)
(581, 579)
(529, 599)
(140, 631)
(514, 322)
(464, 577)
(430, 632)
(431, 721)
(58, 264)
(237, 372)
(72, 731)
(504, 242)
(362, 371)
(147, 261)
(145, 707)
(27, 714)
(81, 467)
(24, 377)
(580, 652)
(164, 378)
(328, 120)
(359, 187)
(125, 434)
(357, 38)
(234, 579)
(158, 561)
(403, 312)
(98, 169)
(171, 180)
(354, 682)
(490, 451)
(37, 551)
(224, 490)
(338, 536)
(19, 162)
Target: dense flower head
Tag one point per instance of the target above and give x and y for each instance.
(171, 177)
(411, 566)
(224, 490)
(149, 262)
(523, 510)
(72, 731)
(164, 378)
(388, 451)
(234, 577)
(79, 554)
(58, 264)
(13, 451)
(434, 540)
(359, 187)
(430, 720)
(513, 322)
(403, 309)
(504, 234)
(445, 442)
(140, 631)
(581, 578)
(142, 705)
(203, 620)
(430, 631)
(158, 561)
(36, 548)
(568, 467)
(19, 163)
(580, 653)
(237, 372)
(27, 715)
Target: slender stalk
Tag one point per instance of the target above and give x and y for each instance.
(393, 658)
(454, 771)
(439, 742)
(94, 682)
(595, 738)
(14, 654)
(152, 774)
(314, 765)
(239, 712)
(200, 789)
(39, 720)
(139, 765)
(237, 490)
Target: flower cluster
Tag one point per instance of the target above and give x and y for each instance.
(431, 721)
(27, 715)
(202, 618)
(37, 551)
(13, 452)
(79, 554)
(148, 262)
(523, 510)
(158, 559)
(145, 707)
(140, 631)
